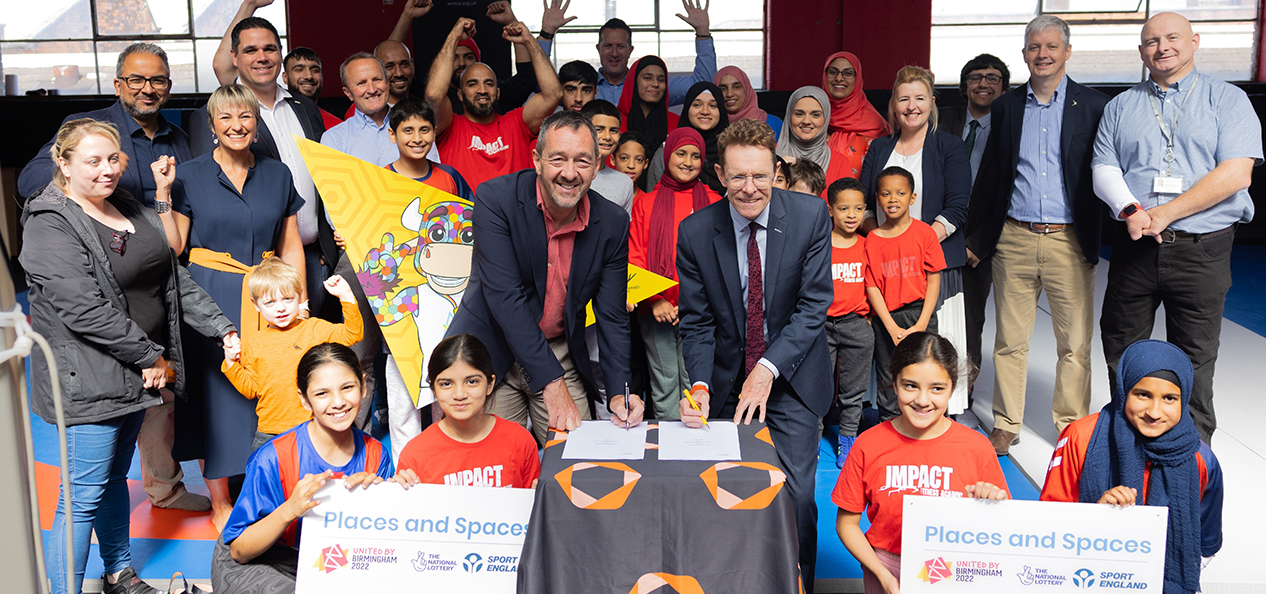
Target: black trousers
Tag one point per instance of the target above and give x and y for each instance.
(977, 282)
(1191, 277)
(794, 429)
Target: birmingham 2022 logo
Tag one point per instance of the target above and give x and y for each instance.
(331, 558)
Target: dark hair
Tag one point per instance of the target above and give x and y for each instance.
(839, 186)
(637, 137)
(805, 170)
(323, 354)
(984, 62)
(599, 107)
(466, 348)
(616, 24)
(925, 346)
(780, 167)
(577, 71)
(411, 107)
(566, 119)
(895, 171)
(252, 22)
(301, 53)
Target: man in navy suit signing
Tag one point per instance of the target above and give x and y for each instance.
(545, 246)
(755, 288)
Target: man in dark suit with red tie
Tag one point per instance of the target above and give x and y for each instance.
(755, 288)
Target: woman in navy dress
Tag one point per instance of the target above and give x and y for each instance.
(230, 207)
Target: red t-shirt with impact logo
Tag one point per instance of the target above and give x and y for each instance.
(506, 458)
(481, 152)
(848, 277)
(884, 466)
(899, 266)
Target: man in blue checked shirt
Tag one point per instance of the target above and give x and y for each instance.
(1174, 159)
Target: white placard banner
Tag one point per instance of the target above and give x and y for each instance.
(453, 539)
(968, 545)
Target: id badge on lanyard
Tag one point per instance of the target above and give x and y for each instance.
(1170, 183)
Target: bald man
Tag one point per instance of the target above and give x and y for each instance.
(480, 143)
(1177, 172)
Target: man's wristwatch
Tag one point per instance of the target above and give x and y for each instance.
(1129, 210)
(547, 36)
(162, 206)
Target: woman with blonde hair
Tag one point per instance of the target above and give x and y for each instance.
(231, 208)
(942, 188)
(108, 294)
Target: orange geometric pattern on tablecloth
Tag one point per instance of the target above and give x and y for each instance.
(365, 201)
(764, 436)
(612, 500)
(682, 584)
(559, 437)
(727, 500)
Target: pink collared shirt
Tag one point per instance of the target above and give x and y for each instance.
(562, 241)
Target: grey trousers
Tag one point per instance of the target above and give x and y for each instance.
(668, 368)
(273, 572)
(905, 316)
(852, 346)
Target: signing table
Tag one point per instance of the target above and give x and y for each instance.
(617, 526)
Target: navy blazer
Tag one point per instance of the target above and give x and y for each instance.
(505, 299)
(798, 293)
(996, 178)
(38, 172)
(946, 184)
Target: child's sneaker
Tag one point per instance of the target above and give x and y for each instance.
(846, 445)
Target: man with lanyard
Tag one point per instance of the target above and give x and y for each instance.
(1176, 169)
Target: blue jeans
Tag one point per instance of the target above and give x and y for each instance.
(99, 455)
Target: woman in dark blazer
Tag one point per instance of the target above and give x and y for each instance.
(942, 180)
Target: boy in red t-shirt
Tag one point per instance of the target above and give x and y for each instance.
(904, 263)
(848, 333)
(920, 452)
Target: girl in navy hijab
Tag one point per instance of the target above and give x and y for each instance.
(1143, 448)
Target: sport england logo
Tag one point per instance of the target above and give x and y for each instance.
(935, 570)
(331, 558)
(1083, 578)
(473, 563)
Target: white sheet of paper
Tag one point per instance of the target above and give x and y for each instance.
(719, 440)
(604, 440)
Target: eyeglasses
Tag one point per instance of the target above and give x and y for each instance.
(118, 241)
(137, 82)
(760, 180)
(992, 79)
(836, 73)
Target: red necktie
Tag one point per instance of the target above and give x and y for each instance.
(755, 302)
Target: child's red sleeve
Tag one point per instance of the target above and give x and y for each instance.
(933, 255)
(871, 266)
(850, 489)
(1063, 474)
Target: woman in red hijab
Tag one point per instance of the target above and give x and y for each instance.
(854, 121)
(644, 104)
(653, 246)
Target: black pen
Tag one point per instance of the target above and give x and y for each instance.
(627, 409)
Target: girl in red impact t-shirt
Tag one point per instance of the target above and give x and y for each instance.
(921, 452)
(469, 446)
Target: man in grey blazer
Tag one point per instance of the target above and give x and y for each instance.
(755, 287)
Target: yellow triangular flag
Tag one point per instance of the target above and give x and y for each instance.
(405, 239)
(642, 284)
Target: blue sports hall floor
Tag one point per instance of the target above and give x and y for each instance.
(165, 541)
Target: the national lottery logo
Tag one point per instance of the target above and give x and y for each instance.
(1036, 576)
(473, 563)
(425, 562)
(935, 570)
(331, 558)
(1083, 578)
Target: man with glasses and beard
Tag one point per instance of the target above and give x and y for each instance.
(548, 245)
(143, 84)
(480, 143)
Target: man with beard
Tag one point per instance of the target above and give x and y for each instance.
(302, 76)
(143, 84)
(480, 143)
(982, 80)
(546, 246)
(515, 90)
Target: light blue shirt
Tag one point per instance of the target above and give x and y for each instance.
(705, 70)
(1038, 195)
(742, 234)
(982, 136)
(1217, 124)
(360, 137)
